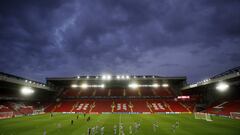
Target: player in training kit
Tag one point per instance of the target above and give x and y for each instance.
(136, 126)
(102, 131)
(89, 131)
(130, 130)
(93, 131)
(115, 129)
(96, 128)
(88, 119)
(173, 128)
(44, 132)
(177, 124)
(155, 126)
(59, 125)
(121, 128)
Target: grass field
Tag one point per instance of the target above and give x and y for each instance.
(35, 125)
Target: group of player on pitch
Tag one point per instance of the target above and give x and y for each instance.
(132, 129)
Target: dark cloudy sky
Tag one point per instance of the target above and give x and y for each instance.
(193, 38)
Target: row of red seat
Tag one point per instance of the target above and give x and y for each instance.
(17, 108)
(224, 108)
(118, 92)
(119, 105)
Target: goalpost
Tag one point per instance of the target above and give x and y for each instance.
(4, 115)
(202, 116)
(235, 115)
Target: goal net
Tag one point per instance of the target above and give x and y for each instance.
(4, 115)
(235, 115)
(203, 116)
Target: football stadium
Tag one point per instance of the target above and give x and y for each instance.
(120, 67)
(120, 104)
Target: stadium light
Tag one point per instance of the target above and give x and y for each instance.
(133, 85)
(118, 77)
(127, 77)
(84, 86)
(74, 85)
(109, 77)
(27, 91)
(165, 85)
(102, 86)
(122, 77)
(87, 77)
(222, 87)
(78, 77)
(155, 85)
(106, 77)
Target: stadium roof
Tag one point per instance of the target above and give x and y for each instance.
(232, 75)
(115, 80)
(9, 80)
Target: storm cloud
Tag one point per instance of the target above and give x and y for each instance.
(46, 38)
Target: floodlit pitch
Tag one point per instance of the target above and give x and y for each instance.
(135, 124)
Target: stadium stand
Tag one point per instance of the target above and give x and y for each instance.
(147, 92)
(224, 108)
(118, 105)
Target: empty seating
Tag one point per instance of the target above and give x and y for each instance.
(163, 92)
(224, 108)
(117, 92)
(102, 92)
(118, 105)
(147, 92)
(132, 92)
(71, 92)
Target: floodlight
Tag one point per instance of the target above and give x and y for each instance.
(78, 77)
(165, 85)
(127, 77)
(74, 85)
(122, 77)
(118, 77)
(222, 87)
(102, 86)
(104, 77)
(155, 85)
(109, 77)
(87, 77)
(133, 85)
(27, 91)
(84, 86)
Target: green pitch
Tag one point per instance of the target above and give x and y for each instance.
(35, 125)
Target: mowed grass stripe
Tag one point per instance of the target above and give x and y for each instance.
(188, 125)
